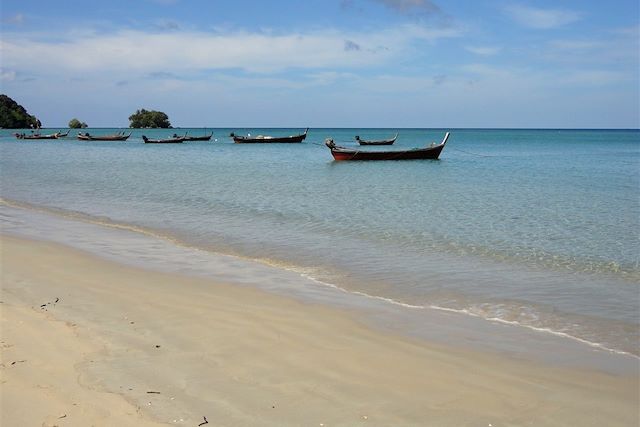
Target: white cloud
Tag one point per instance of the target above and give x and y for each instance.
(573, 45)
(632, 31)
(500, 96)
(612, 50)
(488, 70)
(532, 17)
(546, 80)
(484, 50)
(593, 78)
(16, 19)
(7, 75)
(187, 51)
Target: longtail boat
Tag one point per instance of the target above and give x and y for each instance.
(35, 136)
(198, 138)
(431, 152)
(174, 140)
(63, 135)
(120, 136)
(265, 138)
(378, 142)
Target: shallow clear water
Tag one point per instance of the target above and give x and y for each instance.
(537, 227)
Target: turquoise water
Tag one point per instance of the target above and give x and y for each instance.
(534, 227)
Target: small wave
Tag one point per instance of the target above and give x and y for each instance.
(284, 266)
(78, 216)
(468, 312)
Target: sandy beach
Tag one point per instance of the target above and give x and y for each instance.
(86, 341)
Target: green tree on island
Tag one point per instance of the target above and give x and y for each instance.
(77, 124)
(14, 116)
(149, 119)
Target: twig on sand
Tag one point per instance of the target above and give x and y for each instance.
(204, 422)
(153, 392)
(43, 306)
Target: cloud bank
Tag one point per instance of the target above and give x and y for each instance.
(184, 51)
(538, 18)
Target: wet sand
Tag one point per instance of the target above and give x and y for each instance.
(87, 341)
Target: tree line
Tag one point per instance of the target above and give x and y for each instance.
(15, 116)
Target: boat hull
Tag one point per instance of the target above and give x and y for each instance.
(38, 137)
(198, 138)
(35, 136)
(418, 154)
(163, 141)
(427, 153)
(241, 140)
(361, 142)
(270, 140)
(103, 138)
(378, 142)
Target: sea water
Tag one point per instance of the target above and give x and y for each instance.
(535, 228)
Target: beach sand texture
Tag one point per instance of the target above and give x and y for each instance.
(86, 341)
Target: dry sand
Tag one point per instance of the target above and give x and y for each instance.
(124, 346)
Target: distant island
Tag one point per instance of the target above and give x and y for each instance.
(15, 116)
(149, 119)
(77, 124)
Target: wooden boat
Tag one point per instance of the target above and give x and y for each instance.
(120, 136)
(174, 140)
(266, 138)
(378, 142)
(35, 136)
(192, 138)
(63, 135)
(198, 138)
(342, 153)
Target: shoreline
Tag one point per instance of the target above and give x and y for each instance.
(241, 356)
(158, 252)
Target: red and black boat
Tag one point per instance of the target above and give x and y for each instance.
(261, 139)
(431, 152)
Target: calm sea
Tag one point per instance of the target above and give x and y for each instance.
(539, 228)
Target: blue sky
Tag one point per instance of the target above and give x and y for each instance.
(326, 63)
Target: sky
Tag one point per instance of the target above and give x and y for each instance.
(326, 63)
